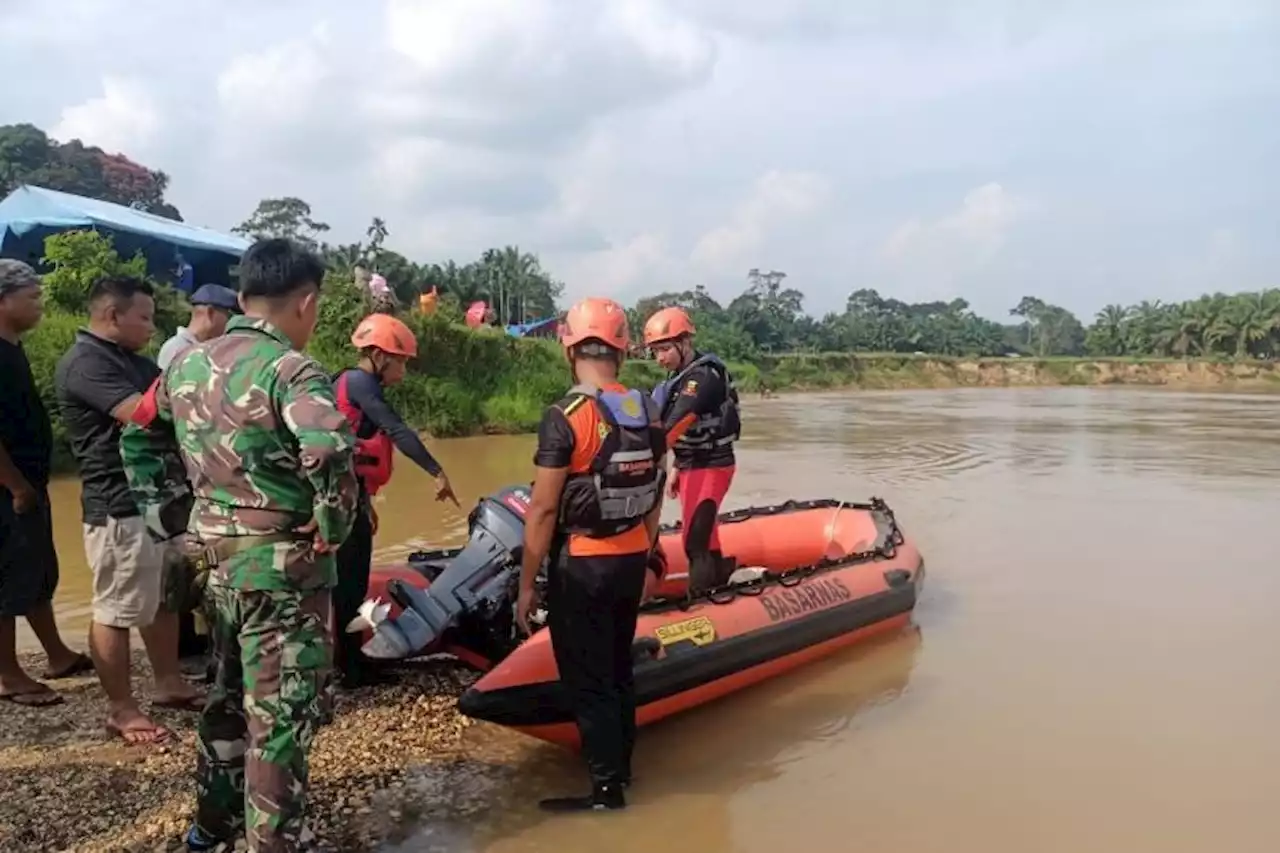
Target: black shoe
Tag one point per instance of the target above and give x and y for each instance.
(606, 797)
(725, 567)
(198, 842)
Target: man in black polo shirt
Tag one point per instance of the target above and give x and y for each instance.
(28, 560)
(100, 382)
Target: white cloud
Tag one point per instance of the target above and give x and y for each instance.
(930, 256)
(481, 68)
(777, 199)
(644, 259)
(276, 86)
(972, 234)
(642, 145)
(1224, 247)
(125, 118)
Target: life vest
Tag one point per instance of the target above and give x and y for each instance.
(373, 456)
(623, 481)
(711, 429)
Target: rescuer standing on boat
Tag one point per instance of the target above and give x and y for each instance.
(597, 498)
(699, 407)
(255, 422)
(385, 345)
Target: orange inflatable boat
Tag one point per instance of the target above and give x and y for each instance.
(813, 577)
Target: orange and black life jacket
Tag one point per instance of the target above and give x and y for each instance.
(623, 480)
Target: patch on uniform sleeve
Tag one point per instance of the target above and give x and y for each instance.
(690, 388)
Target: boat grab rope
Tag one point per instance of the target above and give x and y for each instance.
(886, 548)
(831, 529)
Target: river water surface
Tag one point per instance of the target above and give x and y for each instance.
(1096, 665)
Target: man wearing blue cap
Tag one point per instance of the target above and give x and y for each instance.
(211, 307)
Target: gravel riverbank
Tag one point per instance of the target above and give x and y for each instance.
(65, 786)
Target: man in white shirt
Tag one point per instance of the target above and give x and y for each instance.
(211, 307)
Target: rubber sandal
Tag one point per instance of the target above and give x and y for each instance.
(194, 704)
(83, 663)
(34, 699)
(150, 734)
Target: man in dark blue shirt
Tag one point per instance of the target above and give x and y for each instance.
(28, 560)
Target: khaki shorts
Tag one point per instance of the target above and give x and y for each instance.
(129, 570)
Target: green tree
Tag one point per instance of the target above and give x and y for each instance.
(287, 217)
(29, 156)
(1049, 329)
(1218, 325)
(80, 258)
(377, 233)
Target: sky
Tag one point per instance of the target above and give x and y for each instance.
(1083, 152)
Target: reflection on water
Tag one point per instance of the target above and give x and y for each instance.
(694, 769)
(1097, 667)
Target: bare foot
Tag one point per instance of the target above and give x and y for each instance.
(72, 663)
(176, 692)
(191, 702)
(26, 691)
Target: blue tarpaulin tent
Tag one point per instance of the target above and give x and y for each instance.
(29, 214)
(535, 328)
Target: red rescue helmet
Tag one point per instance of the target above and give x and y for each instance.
(667, 324)
(384, 332)
(596, 319)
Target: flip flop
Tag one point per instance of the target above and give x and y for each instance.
(34, 699)
(194, 704)
(83, 663)
(145, 734)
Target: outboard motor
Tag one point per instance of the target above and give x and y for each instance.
(477, 582)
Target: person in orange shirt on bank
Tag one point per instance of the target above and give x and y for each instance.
(699, 407)
(593, 515)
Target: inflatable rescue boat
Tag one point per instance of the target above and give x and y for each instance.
(813, 577)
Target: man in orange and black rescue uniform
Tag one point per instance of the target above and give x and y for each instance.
(594, 514)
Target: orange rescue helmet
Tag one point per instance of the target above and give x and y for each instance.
(596, 319)
(667, 324)
(384, 332)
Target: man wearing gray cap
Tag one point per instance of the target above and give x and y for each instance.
(211, 307)
(28, 559)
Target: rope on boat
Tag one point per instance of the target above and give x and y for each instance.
(886, 548)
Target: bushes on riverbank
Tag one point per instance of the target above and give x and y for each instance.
(463, 380)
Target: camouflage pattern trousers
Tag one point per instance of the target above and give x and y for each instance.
(272, 655)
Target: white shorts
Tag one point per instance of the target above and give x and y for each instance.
(128, 572)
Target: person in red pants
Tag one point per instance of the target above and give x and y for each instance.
(699, 408)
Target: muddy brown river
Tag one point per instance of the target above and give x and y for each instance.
(1095, 667)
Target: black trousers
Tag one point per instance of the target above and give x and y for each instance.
(354, 560)
(592, 604)
(28, 558)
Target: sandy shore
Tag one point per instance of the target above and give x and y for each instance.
(64, 786)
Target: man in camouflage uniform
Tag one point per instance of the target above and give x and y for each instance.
(267, 459)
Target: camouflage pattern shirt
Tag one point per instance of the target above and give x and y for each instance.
(248, 436)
